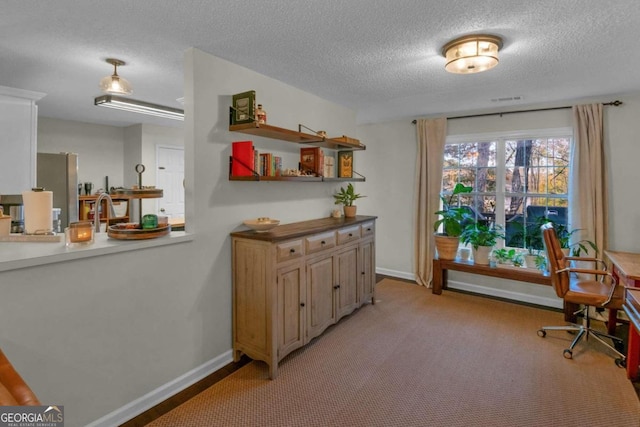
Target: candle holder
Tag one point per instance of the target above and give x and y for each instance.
(79, 233)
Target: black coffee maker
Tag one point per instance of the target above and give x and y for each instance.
(12, 206)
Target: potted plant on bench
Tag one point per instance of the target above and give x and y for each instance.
(451, 219)
(482, 238)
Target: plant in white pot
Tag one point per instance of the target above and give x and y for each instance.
(346, 197)
(451, 220)
(482, 239)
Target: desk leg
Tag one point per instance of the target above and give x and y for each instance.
(439, 276)
(633, 353)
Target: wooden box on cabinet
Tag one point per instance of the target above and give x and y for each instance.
(292, 283)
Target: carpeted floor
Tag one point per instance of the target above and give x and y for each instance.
(418, 359)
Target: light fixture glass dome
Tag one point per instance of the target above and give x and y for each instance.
(115, 84)
(472, 54)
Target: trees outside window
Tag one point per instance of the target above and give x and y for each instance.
(516, 178)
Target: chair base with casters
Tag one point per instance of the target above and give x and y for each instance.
(585, 331)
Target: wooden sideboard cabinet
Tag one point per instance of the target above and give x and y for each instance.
(293, 282)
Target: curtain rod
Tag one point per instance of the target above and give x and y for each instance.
(615, 103)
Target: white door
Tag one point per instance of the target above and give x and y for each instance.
(170, 178)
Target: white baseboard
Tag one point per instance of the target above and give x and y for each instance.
(395, 273)
(149, 400)
(502, 293)
(483, 290)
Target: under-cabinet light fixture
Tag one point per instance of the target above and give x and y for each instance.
(126, 104)
(472, 54)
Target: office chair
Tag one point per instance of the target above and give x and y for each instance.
(601, 290)
(13, 390)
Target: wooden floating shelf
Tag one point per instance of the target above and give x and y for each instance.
(274, 132)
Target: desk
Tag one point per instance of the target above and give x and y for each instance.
(632, 308)
(440, 268)
(626, 267)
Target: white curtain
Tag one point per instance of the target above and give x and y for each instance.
(431, 137)
(588, 180)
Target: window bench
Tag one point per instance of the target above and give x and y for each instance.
(440, 268)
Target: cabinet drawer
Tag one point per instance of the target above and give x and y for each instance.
(368, 229)
(349, 234)
(320, 242)
(289, 250)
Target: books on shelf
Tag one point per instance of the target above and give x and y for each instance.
(312, 161)
(269, 165)
(329, 170)
(345, 164)
(243, 107)
(243, 163)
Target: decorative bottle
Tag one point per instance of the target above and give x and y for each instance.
(261, 115)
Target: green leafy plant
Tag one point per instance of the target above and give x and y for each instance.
(503, 255)
(347, 196)
(517, 260)
(577, 247)
(541, 262)
(480, 234)
(452, 218)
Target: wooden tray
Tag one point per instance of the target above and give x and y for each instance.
(138, 233)
(139, 193)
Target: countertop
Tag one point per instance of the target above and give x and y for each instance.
(15, 255)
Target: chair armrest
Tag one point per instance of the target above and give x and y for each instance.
(588, 259)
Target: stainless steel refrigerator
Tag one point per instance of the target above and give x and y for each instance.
(59, 173)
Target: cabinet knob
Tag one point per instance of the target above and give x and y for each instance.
(292, 250)
(301, 304)
(350, 234)
(323, 243)
(369, 229)
(336, 287)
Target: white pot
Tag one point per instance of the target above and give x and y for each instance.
(481, 255)
(530, 261)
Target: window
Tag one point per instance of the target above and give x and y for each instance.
(516, 177)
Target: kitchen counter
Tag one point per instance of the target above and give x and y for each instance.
(15, 255)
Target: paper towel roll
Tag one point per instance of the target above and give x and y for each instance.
(38, 211)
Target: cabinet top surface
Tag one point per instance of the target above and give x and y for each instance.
(303, 228)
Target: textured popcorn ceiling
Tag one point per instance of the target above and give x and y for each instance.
(380, 58)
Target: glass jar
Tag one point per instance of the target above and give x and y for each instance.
(79, 233)
(261, 115)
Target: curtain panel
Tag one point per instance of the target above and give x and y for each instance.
(588, 180)
(431, 138)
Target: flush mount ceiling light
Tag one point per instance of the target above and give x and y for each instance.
(126, 104)
(472, 54)
(114, 83)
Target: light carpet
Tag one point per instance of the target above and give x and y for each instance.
(418, 359)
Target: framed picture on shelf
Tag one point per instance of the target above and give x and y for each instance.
(244, 106)
(345, 164)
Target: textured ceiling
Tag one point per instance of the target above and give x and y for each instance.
(380, 58)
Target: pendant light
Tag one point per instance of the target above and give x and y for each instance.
(472, 53)
(114, 83)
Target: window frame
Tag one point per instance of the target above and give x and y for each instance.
(500, 137)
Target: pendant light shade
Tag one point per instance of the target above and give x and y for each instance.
(114, 83)
(472, 54)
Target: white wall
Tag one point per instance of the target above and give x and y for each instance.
(96, 334)
(100, 148)
(391, 173)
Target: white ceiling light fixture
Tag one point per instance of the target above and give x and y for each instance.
(472, 53)
(126, 104)
(114, 83)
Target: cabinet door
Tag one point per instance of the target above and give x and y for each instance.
(290, 309)
(320, 283)
(367, 271)
(346, 282)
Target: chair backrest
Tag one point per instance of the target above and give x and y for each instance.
(13, 390)
(556, 260)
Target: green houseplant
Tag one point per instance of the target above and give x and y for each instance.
(346, 197)
(482, 239)
(451, 219)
